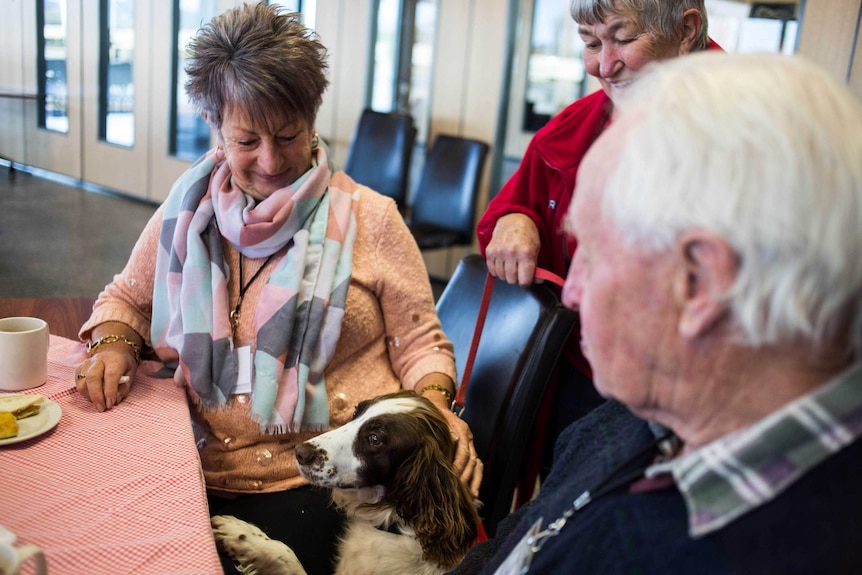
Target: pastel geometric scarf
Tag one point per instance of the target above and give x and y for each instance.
(299, 313)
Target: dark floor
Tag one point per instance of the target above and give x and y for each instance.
(60, 240)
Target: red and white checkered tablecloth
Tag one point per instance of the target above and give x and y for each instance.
(118, 492)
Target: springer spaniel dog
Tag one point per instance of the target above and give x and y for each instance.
(390, 470)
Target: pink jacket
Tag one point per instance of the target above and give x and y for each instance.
(390, 339)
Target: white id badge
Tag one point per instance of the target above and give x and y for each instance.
(244, 365)
(518, 561)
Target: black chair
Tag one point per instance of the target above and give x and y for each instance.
(443, 207)
(380, 153)
(524, 333)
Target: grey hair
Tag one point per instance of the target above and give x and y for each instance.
(765, 150)
(261, 60)
(662, 18)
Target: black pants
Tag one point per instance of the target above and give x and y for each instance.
(302, 518)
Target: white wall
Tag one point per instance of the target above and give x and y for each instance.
(12, 106)
(827, 36)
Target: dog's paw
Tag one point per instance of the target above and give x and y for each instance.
(256, 553)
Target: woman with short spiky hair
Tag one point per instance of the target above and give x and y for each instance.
(279, 291)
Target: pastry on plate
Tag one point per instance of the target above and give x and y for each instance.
(21, 406)
(8, 425)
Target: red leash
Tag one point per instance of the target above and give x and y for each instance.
(487, 291)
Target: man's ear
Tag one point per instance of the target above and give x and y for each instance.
(692, 22)
(708, 269)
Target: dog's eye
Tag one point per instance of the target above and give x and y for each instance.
(373, 439)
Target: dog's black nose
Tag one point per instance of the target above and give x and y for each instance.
(307, 454)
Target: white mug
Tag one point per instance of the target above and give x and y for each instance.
(12, 558)
(23, 353)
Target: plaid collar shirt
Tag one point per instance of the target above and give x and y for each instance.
(748, 468)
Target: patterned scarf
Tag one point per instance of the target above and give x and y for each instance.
(298, 316)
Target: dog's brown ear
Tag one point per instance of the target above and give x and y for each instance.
(437, 505)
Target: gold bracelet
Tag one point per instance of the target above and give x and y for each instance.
(446, 393)
(105, 340)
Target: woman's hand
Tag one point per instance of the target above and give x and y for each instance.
(513, 251)
(105, 378)
(467, 462)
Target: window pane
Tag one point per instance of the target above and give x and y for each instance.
(292, 6)
(546, 74)
(190, 134)
(421, 63)
(555, 70)
(117, 85)
(385, 56)
(753, 27)
(53, 89)
(403, 59)
(307, 7)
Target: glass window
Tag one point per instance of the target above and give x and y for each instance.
(754, 27)
(190, 134)
(116, 78)
(307, 7)
(421, 63)
(555, 70)
(403, 59)
(291, 5)
(545, 73)
(53, 90)
(385, 58)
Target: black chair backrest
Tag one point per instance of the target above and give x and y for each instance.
(446, 194)
(525, 331)
(380, 153)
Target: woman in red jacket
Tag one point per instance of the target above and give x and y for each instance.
(523, 225)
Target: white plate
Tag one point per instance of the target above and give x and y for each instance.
(30, 427)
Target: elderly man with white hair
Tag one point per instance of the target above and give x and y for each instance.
(719, 284)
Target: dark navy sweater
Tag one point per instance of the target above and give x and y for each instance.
(815, 526)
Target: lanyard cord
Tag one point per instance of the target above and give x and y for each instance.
(623, 474)
(234, 315)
